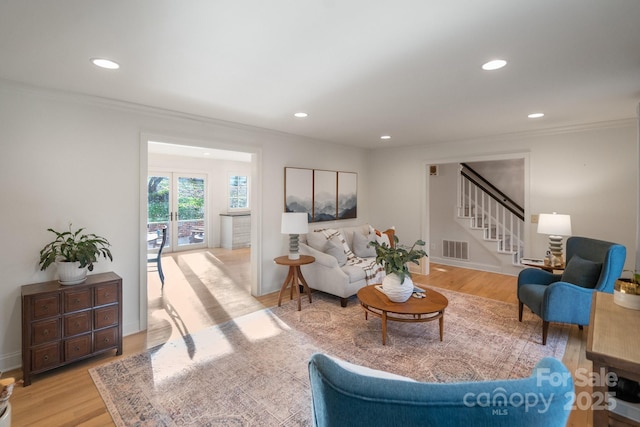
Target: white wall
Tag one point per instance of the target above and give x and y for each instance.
(590, 174)
(505, 175)
(217, 172)
(73, 158)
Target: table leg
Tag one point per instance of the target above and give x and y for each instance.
(384, 327)
(441, 325)
(304, 283)
(600, 415)
(284, 286)
(295, 284)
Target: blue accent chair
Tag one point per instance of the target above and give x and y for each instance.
(344, 394)
(592, 266)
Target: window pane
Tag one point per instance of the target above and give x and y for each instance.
(238, 192)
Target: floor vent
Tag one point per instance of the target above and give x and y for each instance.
(453, 249)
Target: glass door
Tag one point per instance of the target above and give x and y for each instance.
(177, 201)
(158, 210)
(189, 211)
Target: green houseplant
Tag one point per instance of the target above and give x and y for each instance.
(74, 251)
(397, 285)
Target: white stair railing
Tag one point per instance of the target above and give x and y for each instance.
(486, 212)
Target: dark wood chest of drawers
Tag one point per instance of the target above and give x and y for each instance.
(63, 324)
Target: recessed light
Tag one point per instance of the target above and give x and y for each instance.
(385, 137)
(301, 115)
(495, 64)
(105, 63)
(535, 115)
(206, 153)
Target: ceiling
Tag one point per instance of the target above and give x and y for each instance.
(359, 68)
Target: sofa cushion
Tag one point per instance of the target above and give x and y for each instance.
(582, 272)
(336, 250)
(317, 239)
(355, 272)
(368, 372)
(361, 246)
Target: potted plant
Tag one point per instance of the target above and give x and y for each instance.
(397, 284)
(74, 252)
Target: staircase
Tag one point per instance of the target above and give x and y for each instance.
(492, 218)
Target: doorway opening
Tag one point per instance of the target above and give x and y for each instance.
(185, 186)
(445, 219)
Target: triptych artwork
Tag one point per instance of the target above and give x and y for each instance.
(324, 195)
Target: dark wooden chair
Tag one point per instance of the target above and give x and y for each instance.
(157, 257)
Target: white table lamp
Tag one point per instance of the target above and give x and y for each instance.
(556, 226)
(293, 224)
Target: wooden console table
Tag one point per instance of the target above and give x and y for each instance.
(65, 323)
(612, 346)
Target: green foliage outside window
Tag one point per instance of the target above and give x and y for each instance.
(190, 201)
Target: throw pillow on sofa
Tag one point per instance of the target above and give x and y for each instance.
(361, 246)
(384, 237)
(335, 250)
(317, 239)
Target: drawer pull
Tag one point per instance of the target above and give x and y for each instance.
(45, 332)
(77, 348)
(45, 307)
(106, 317)
(77, 300)
(46, 357)
(77, 324)
(106, 294)
(106, 340)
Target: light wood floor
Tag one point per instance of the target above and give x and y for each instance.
(68, 397)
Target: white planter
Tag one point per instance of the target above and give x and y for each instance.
(396, 291)
(626, 300)
(70, 273)
(5, 418)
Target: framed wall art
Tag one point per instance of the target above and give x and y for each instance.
(298, 190)
(347, 195)
(325, 195)
(322, 194)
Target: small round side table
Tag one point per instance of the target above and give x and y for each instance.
(294, 278)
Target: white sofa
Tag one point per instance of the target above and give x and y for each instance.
(326, 274)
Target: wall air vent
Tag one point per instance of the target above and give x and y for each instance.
(457, 250)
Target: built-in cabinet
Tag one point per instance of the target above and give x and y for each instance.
(65, 323)
(235, 230)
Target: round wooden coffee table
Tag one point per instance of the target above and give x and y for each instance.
(414, 309)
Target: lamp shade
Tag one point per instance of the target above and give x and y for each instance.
(554, 224)
(294, 223)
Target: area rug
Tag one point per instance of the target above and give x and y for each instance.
(252, 371)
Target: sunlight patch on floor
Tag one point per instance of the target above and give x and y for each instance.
(177, 357)
(260, 325)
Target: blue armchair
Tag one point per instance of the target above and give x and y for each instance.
(350, 395)
(592, 265)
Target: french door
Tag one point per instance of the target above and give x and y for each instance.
(176, 201)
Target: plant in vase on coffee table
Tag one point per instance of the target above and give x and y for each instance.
(397, 284)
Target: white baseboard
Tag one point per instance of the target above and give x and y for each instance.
(473, 266)
(10, 361)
